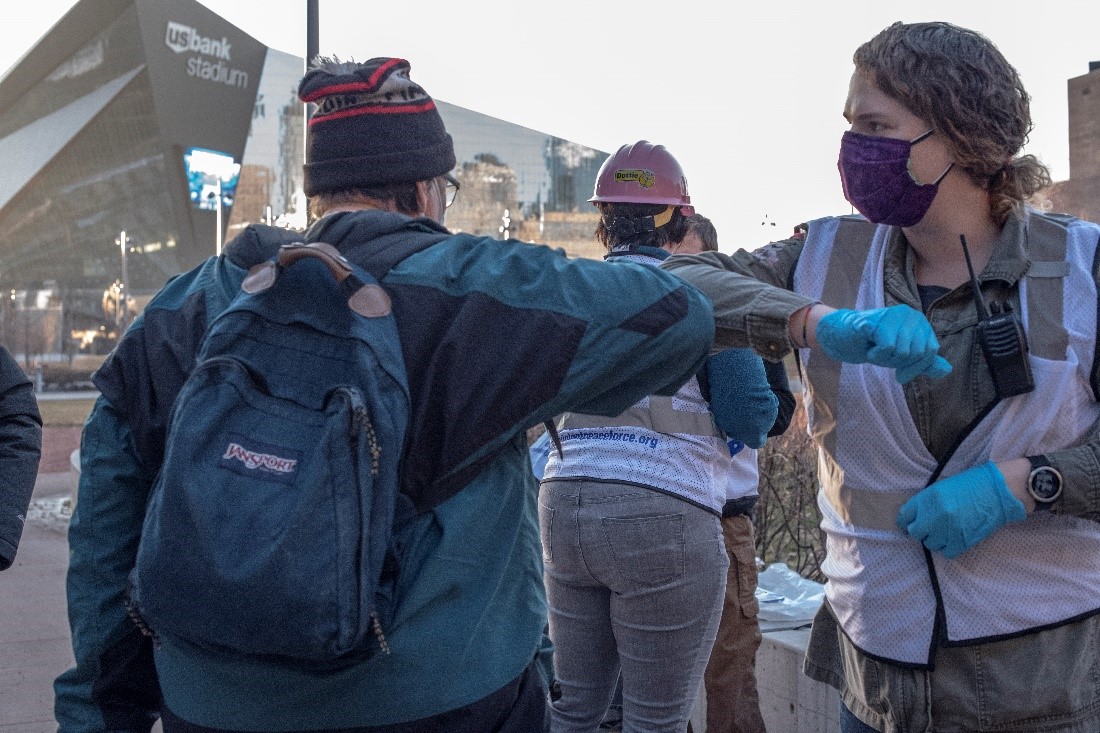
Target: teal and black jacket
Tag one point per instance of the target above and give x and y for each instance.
(497, 336)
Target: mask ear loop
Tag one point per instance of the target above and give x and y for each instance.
(909, 170)
(921, 137)
(909, 163)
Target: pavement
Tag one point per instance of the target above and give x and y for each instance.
(34, 630)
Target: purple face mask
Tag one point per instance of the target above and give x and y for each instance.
(874, 172)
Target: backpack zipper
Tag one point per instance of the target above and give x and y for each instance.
(377, 628)
(360, 420)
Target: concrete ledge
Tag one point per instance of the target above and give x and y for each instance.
(790, 701)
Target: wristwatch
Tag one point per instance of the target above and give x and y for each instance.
(1044, 483)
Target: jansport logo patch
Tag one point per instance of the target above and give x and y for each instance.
(250, 458)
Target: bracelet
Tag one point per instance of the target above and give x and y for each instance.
(805, 320)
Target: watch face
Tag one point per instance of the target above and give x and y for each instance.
(1045, 484)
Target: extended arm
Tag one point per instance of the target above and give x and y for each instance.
(114, 684)
(772, 321)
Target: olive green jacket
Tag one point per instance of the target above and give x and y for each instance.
(986, 686)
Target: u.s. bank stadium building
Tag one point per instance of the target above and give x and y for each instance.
(140, 135)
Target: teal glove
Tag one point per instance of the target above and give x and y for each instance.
(741, 398)
(954, 514)
(897, 337)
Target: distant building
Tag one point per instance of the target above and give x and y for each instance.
(1080, 194)
(133, 127)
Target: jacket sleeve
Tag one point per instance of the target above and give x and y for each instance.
(500, 336)
(113, 685)
(776, 372)
(740, 395)
(750, 294)
(643, 332)
(20, 450)
(1080, 464)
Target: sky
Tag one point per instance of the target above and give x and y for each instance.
(747, 96)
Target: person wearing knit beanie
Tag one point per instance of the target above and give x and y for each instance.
(494, 336)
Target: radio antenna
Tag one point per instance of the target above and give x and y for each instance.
(979, 301)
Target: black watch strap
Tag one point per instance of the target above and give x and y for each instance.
(1044, 483)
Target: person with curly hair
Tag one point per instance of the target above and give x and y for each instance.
(961, 514)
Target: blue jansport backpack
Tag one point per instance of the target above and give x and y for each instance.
(269, 525)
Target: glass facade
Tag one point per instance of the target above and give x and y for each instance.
(521, 183)
(271, 185)
(89, 146)
(95, 213)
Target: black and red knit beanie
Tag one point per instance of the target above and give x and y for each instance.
(372, 125)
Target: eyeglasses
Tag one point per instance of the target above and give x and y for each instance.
(452, 189)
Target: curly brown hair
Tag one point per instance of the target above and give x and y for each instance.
(958, 81)
(625, 223)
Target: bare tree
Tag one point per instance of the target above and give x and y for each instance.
(788, 522)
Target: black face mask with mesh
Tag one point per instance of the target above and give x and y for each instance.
(630, 228)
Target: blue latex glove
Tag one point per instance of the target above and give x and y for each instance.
(954, 514)
(741, 398)
(898, 337)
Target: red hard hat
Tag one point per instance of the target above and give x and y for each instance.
(643, 173)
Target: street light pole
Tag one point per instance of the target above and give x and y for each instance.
(313, 43)
(218, 220)
(125, 279)
(312, 31)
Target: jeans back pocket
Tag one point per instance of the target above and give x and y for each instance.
(647, 550)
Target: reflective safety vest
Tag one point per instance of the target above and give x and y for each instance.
(883, 587)
(744, 474)
(668, 444)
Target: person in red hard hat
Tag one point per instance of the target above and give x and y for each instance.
(630, 506)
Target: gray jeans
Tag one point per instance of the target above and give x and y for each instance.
(634, 581)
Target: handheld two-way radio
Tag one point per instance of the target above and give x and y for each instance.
(1003, 341)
